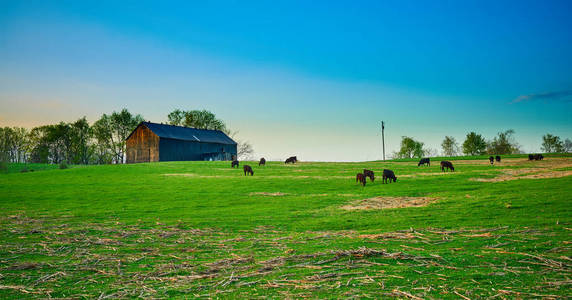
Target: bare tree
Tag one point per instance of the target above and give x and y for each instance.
(567, 146)
(244, 150)
(450, 146)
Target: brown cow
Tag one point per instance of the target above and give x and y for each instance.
(262, 162)
(234, 163)
(368, 173)
(492, 160)
(247, 169)
(360, 178)
(448, 165)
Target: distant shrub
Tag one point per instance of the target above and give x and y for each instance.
(63, 165)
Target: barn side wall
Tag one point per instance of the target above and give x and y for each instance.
(142, 146)
(178, 150)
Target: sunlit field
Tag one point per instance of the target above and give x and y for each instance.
(203, 229)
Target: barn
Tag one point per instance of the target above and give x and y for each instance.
(151, 142)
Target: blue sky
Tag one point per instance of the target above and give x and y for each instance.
(307, 78)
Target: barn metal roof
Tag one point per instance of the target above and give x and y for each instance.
(188, 134)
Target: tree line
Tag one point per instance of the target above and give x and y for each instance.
(102, 142)
(475, 144)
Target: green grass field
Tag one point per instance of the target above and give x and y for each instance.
(202, 229)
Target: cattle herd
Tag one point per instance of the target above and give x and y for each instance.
(248, 169)
(387, 175)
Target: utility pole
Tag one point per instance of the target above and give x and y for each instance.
(383, 138)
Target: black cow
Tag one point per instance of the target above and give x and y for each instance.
(388, 174)
(234, 163)
(291, 159)
(497, 158)
(492, 160)
(448, 165)
(424, 161)
(535, 157)
(368, 173)
(247, 169)
(360, 178)
(262, 162)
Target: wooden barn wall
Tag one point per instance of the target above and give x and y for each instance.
(142, 146)
(177, 150)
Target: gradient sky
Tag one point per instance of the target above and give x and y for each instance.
(306, 78)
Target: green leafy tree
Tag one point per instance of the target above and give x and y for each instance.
(80, 135)
(200, 119)
(176, 117)
(204, 119)
(52, 143)
(5, 144)
(474, 144)
(503, 143)
(110, 131)
(552, 143)
(450, 146)
(410, 148)
(14, 144)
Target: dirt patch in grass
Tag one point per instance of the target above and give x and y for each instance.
(199, 176)
(181, 174)
(268, 194)
(504, 162)
(24, 266)
(388, 202)
(515, 175)
(428, 174)
(526, 173)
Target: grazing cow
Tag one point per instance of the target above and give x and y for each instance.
(388, 174)
(497, 158)
(291, 159)
(360, 178)
(262, 162)
(247, 169)
(424, 161)
(492, 160)
(234, 163)
(448, 165)
(368, 173)
(535, 157)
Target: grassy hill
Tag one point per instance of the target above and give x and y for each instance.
(202, 229)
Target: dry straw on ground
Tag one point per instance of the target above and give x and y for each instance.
(388, 202)
(267, 194)
(525, 174)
